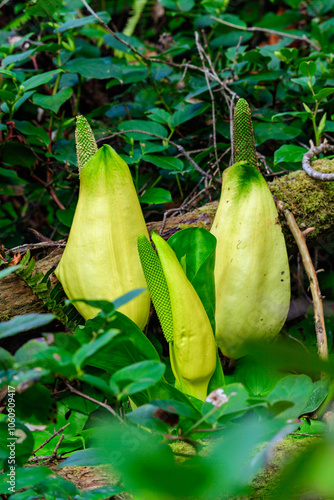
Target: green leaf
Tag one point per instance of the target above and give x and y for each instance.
(265, 131)
(5, 95)
(156, 196)
(294, 388)
(320, 391)
(187, 112)
(119, 46)
(199, 247)
(178, 5)
(323, 93)
(18, 103)
(145, 126)
(321, 125)
(165, 162)
(100, 68)
(87, 350)
(44, 8)
(23, 444)
(102, 493)
(289, 153)
(82, 21)
(28, 477)
(88, 457)
(36, 405)
(23, 323)
(159, 115)
(308, 68)
(37, 80)
(53, 102)
(65, 216)
(258, 379)
(28, 128)
(142, 375)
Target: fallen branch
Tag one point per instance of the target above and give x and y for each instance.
(306, 163)
(300, 238)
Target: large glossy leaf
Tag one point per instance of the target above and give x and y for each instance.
(139, 376)
(294, 388)
(197, 246)
(53, 102)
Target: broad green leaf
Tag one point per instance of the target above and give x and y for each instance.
(44, 8)
(289, 153)
(27, 477)
(294, 388)
(28, 128)
(187, 112)
(66, 216)
(37, 80)
(119, 46)
(5, 95)
(178, 5)
(142, 375)
(53, 102)
(100, 68)
(156, 196)
(126, 349)
(258, 379)
(165, 162)
(145, 126)
(23, 323)
(320, 391)
(265, 131)
(35, 405)
(19, 102)
(308, 68)
(20, 57)
(199, 247)
(102, 493)
(323, 93)
(82, 21)
(159, 115)
(23, 441)
(87, 350)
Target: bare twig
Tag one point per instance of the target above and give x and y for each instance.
(55, 433)
(306, 163)
(201, 51)
(107, 407)
(302, 38)
(312, 276)
(305, 434)
(45, 457)
(35, 246)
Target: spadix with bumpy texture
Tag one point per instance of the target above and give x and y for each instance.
(85, 142)
(252, 270)
(101, 261)
(183, 318)
(243, 135)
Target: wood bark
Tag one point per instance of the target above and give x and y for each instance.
(311, 201)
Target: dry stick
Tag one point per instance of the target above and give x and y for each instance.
(55, 433)
(201, 51)
(34, 246)
(266, 30)
(107, 407)
(306, 163)
(54, 455)
(312, 276)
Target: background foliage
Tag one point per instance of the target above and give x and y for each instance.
(58, 61)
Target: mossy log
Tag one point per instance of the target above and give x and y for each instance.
(311, 201)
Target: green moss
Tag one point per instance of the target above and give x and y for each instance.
(311, 201)
(286, 451)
